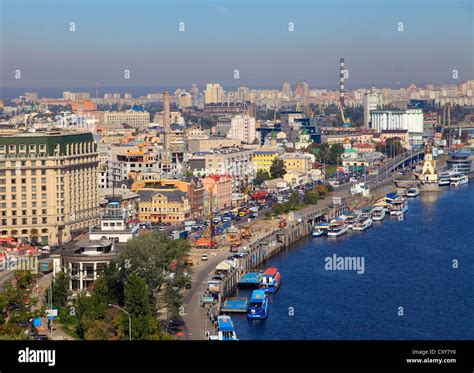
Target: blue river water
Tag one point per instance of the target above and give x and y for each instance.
(407, 264)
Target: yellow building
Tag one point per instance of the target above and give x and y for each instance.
(48, 185)
(263, 159)
(170, 206)
(300, 162)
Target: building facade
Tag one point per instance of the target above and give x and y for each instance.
(242, 127)
(48, 185)
(164, 206)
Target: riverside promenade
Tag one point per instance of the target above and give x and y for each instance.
(272, 239)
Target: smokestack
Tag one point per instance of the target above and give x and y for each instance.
(166, 121)
(341, 82)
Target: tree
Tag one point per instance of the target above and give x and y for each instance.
(60, 289)
(311, 197)
(261, 177)
(138, 306)
(277, 169)
(391, 147)
(160, 262)
(464, 136)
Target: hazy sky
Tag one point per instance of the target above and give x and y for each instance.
(221, 36)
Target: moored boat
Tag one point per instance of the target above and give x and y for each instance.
(258, 307)
(271, 279)
(320, 229)
(337, 228)
(459, 180)
(399, 206)
(413, 192)
(378, 213)
(364, 222)
(226, 329)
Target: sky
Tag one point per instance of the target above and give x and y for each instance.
(221, 36)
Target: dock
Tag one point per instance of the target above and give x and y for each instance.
(250, 279)
(235, 305)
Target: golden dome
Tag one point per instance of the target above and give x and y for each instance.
(347, 141)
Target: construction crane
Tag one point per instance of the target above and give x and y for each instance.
(346, 121)
(246, 191)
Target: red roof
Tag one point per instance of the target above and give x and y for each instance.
(271, 271)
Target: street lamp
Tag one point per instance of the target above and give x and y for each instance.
(129, 320)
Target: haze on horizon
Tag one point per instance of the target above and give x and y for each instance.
(219, 37)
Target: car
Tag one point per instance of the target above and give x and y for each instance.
(204, 257)
(188, 285)
(162, 228)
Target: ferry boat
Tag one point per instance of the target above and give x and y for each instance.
(459, 180)
(337, 228)
(226, 329)
(320, 229)
(258, 307)
(363, 223)
(445, 178)
(413, 192)
(378, 213)
(399, 206)
(351, 219)
(271, 279)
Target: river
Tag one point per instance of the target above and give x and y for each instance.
(410, 287)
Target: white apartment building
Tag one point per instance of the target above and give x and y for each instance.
(135, 119)
(410, 119)
(371, 102)
(242, 127)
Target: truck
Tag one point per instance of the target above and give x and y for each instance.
(176, 235)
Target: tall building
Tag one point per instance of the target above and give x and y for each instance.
(305, 89)
(286, 90)
(48, 185)
(213, 94)
(299, 89)
(370, 103)
(242, 127)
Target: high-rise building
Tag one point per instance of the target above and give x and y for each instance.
(371, 102)
(286, 90)
(410, 119)
(299, 89)
(48, 185)
(305, 89)
(213, 94)
(242, 127)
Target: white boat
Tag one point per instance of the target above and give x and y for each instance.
(363, 223)
(351, 219)
(459, 180)
(378, 213)
(444, 178)
(413, 192)
(399, 206)
(320, 229)
(337, 228)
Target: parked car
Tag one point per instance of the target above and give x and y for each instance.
(204, 257)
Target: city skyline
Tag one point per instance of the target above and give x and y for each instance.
(217, 38)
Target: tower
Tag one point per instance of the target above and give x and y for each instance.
(166, 121)
(341, 82)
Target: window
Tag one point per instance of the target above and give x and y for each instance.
(12, 149)
(32, 149)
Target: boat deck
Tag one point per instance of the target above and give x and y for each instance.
(251, 278)
(235, 305)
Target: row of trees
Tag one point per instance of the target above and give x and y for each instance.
(295, 202)
(147, 281)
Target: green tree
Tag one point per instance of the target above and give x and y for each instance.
(464, 136)
(261, 177)
(391, 147)
(311, 197)
(60, 289)
(277, 169)
(138, 306)
(160, 262)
